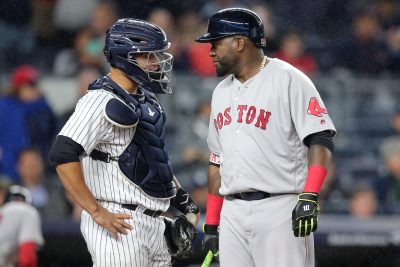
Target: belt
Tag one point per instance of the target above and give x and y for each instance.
(257, 195)
(148, 212)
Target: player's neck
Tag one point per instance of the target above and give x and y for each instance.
(250, 68)
(122, 80)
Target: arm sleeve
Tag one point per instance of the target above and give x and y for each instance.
(88, 125)
(308, 112)
(27, 256)
(321, 138)
(65, 150)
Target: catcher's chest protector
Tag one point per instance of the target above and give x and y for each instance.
(145, 161)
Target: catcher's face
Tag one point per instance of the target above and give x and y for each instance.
(147, 61)
(224, 57)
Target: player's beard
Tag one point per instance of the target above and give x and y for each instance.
(225, 65)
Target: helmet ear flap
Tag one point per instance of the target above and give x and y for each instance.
(257, 36)
(254, 33)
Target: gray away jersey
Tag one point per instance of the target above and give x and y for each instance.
(257, 129)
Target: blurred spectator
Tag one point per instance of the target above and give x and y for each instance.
(200, 62)
(266, 15)
(291, 50)
(387, 186)
(17, 37)
(392, 36)
(195, 154)
(47, 194)
(88, 44)
(4, 185)
(30, 168)
(395, 123)
(163, 18)
(21, 234)
(140, 9)
(25, 119)
(388, 13)
(363, 203)
(189, 27)
(212, 6)
(43, 21)
(72, 15)
(364, 50)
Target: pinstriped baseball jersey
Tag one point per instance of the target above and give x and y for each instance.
(89, 127)
(258, 127)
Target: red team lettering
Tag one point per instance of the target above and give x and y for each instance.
(226, 119)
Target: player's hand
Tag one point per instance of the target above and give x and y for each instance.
(210, 241)
(305, 214)
(114, 222)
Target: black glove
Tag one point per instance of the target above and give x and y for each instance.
(184, 203)
(305, 214)
(179, 234)
(210, 241)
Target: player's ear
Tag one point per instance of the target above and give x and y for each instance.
(239, 43)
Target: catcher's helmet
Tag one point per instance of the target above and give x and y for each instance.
(235, 21)
(18, 193)
(130, 36)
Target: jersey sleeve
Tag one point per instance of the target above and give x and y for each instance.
(30, 228)
(213, 137)
(308, 112)
(88, 125)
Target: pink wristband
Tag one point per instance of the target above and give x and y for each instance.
(315, 178)
(214, 206)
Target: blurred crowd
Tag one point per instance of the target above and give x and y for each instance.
(64, 38)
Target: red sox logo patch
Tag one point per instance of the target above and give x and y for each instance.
(315, 109)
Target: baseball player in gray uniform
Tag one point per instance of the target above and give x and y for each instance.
(271, 140)
(112, 158)
(20, 229)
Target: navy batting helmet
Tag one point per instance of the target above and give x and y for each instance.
(128, 37)
(235, 21)
(18, 193)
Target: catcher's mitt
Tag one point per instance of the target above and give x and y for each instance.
(179, 233)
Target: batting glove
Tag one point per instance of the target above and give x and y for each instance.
(210, 241)
(184, 203)
(305, 214)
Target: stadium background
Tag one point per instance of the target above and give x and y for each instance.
(350, 49)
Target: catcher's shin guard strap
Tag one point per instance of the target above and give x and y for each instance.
(214, 206)
(315, 178)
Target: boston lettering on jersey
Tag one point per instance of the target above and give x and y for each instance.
(246, 114)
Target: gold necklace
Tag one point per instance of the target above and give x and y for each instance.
(263, 63)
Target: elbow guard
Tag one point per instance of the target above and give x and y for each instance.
(65, 150)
